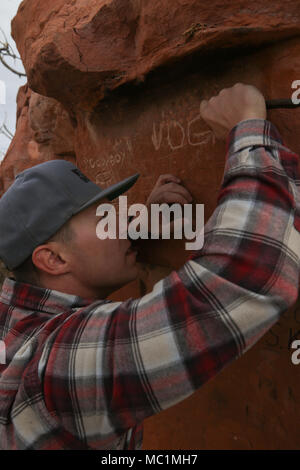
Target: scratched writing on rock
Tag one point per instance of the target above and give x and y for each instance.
(166, 132)
(116, 157)
(175, 134)
(283, 333)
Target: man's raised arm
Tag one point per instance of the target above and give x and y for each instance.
(155, 351)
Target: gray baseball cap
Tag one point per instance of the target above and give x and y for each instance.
(41, 200)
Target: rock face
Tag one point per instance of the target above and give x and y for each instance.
(76, 53)
(131, 75)
(43, 132)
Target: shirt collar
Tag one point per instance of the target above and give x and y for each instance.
(28, 296)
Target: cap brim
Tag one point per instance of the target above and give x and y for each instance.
(111, 192)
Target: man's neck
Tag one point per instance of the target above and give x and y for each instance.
(73, 287)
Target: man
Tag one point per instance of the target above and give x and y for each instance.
(83, 372)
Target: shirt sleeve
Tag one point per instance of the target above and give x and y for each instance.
(133, 359)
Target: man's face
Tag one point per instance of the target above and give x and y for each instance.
(102, 265)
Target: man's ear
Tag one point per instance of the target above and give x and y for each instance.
(50, 259)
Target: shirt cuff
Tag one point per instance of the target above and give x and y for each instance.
(252, 132)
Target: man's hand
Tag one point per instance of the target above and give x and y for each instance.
(231, 106)
(168, 189)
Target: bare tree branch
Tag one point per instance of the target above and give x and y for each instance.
(7, 51)
(5, 131)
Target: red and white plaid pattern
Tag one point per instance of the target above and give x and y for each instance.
(82, 374)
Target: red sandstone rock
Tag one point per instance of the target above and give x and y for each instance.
(43, 132)
(76, 53)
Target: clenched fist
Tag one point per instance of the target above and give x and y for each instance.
(231, 106)
(170, 190)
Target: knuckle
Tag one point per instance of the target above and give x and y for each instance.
(165, 178)
(203, 105)
(223, 92)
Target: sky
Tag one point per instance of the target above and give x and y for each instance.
(9, 82)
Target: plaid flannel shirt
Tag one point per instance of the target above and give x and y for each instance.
(84, 374)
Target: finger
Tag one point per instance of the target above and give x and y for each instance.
(168, 178)
(203, 105)
(172, 198)
(176, 188)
